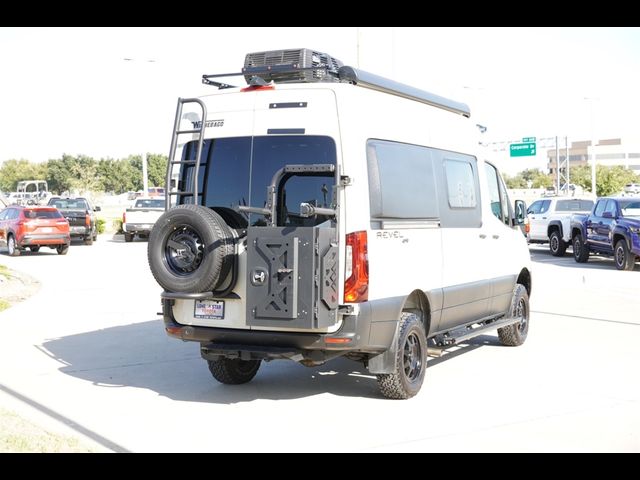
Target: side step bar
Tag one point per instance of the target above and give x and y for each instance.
(459, 335)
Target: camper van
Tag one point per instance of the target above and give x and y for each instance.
(321, 211)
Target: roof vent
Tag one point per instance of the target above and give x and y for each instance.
(291, 66)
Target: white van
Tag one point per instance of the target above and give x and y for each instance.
(322, 211)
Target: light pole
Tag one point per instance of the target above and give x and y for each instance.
(593, 146)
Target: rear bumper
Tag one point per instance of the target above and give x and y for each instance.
(79, 231)
(353, 336)
(137, 227)
(45, 240)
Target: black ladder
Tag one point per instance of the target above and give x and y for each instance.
(188, 190)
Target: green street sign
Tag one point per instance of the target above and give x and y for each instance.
(522, 149)
(528, 139)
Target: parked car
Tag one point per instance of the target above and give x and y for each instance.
(139, 219)
(80, 214)
(633, 188)
(33, 227)
(549, 220)
(611, 229)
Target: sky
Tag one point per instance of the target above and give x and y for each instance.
(72, 90)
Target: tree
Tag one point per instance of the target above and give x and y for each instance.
(13, 171)
(156, 169)
(609, 180)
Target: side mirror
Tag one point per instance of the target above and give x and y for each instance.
(97, 208)
(607, 215)
(520, 212)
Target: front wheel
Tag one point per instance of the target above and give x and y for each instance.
(515, 334)
(625, 260)
(557, 247)
(580, 250)
(233, 371)
(410, 362)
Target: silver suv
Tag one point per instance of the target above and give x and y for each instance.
(549, 220)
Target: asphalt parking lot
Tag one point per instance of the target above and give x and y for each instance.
(88, 354)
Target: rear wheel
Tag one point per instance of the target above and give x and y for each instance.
(580, 250)
(62, 249)
(625, 260)
(515, 334)
(88, 240)
(12, 247)
(557, 247)
(35, 249)
(128, 237)
(411, 360)
(233, 371)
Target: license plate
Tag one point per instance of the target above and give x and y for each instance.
(209, 309)
(46, 229)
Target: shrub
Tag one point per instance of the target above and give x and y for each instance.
(101, 225)
(117, 225)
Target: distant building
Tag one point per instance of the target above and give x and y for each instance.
(609, 152)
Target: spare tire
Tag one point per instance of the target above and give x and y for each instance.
(190, 249)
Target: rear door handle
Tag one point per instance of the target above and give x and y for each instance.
(482, 235)
(495, 237)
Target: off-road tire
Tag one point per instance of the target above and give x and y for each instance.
(557, 247)
(410, 361)
(624, 259)
(190, 249)
(515, 334)
(580, 250)
(233, 371)
(12, 247)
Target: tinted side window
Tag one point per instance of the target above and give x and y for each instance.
(573, 205)
(600, 208)
(545, 206)
(535, 207)
(461, 190)
(494, 193)
(498, 195)
(401, 181)
(611, 208)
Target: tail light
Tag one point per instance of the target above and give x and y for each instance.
(124, 217)
(527, 226)
(87, 220)
(356, 284)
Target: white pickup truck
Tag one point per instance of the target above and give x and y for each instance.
(141, 217)
(549, 219)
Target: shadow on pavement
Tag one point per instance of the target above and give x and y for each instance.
(140, 355)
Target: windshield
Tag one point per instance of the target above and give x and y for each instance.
(237, 171)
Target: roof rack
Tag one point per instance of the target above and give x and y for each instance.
(305, 65)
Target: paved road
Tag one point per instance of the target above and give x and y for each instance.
(89, 350)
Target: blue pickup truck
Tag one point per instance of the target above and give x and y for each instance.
(612, 228)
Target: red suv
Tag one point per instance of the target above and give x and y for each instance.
(33, 227)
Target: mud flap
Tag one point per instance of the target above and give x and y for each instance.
(292, 277)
